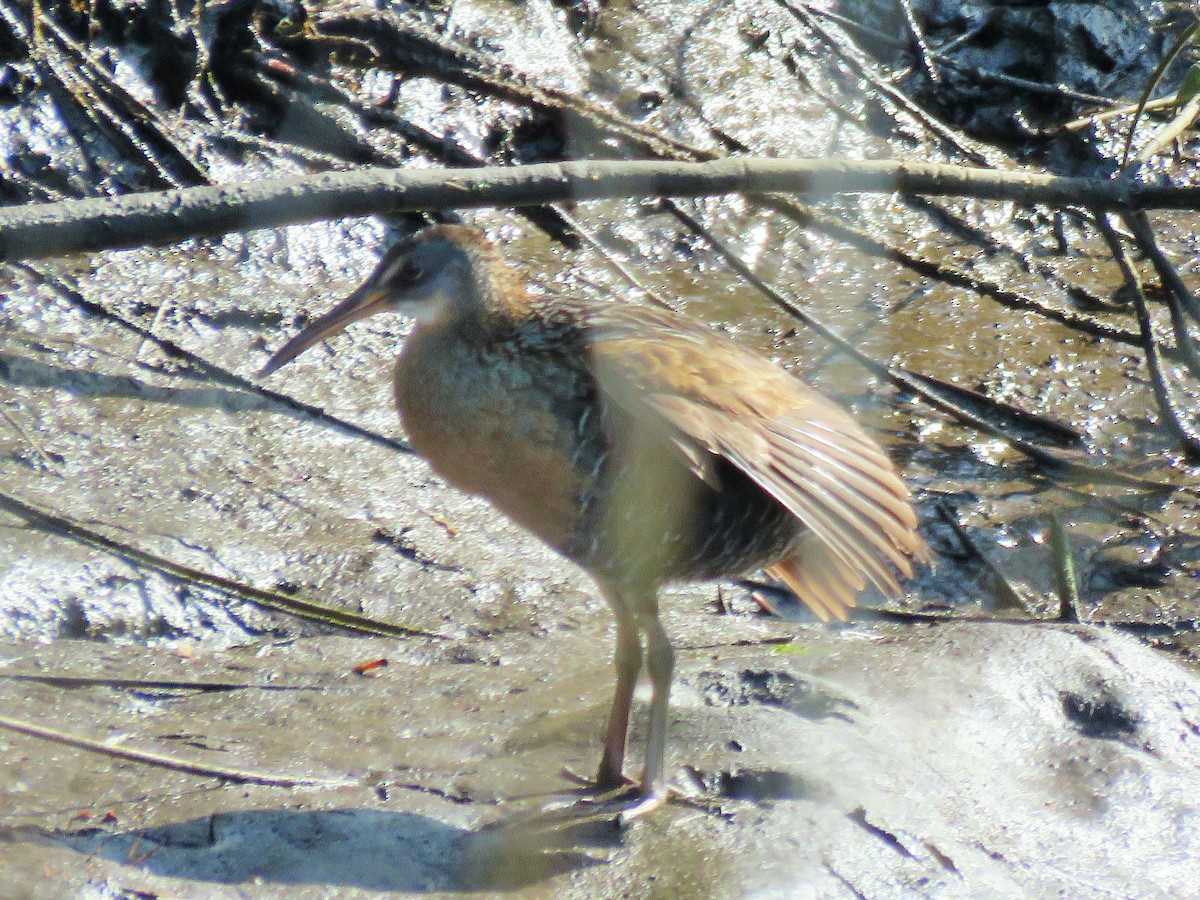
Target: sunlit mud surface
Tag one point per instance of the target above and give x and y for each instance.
(1020, 752)
(958, 760)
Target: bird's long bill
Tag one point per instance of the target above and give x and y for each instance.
(366, 301)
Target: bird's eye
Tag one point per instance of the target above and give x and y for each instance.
(410, 272)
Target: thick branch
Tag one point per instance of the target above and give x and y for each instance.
(72, 226)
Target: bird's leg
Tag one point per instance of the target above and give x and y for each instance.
(660, 662)
(628, 663)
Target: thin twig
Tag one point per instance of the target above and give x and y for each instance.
(1163, 392)
(267, 599)
(164, 761)
(404, 43)
(70, 292)
(1053, 459)
(588, 237)
(919, 47)
(942, 56)
(168, 160)
(959, 143)
(863, 240)
(20, 429)
(154, 684)
(1181, 42)
(947, 218)
(1180, 296)
(1006, 594)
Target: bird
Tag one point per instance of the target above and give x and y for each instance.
(640, 444)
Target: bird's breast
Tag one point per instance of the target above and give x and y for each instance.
(501, 426)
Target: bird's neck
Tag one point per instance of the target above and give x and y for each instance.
(495, 301)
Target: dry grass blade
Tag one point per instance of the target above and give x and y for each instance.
(1184, 118)
(46, 459)
(1095, 118)
(1066, 580)
(1156, 77)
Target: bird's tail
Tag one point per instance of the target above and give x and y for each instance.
(826, 584)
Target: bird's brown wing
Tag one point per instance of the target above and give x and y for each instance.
(717, 398)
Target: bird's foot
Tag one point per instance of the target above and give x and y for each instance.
(627, 800)
(644, 802)
(625, 804)
(603, 784)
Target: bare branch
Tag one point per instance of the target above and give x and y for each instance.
(163, 217)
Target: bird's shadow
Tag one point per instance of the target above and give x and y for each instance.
(362, 848)
(526, 848)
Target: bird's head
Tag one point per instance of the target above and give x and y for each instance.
(437, 275)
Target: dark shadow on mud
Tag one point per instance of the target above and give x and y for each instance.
(371, 849)
(526, 848)
(21, 371)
